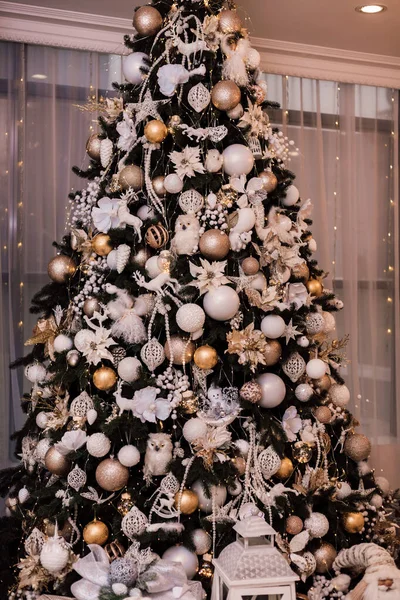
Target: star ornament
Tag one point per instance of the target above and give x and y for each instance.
(147, 108)
(291, 332)
(243, 282)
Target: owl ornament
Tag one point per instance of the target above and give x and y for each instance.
(158, 455)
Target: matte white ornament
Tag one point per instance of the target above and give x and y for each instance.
(269, 462)
(384, 485)
(106, 150)
(123, 255)
(219, 493)
(134, 523)
(145, 213)
(35, 373)
(152, 354)
(343, 490)
(363, 468)
(292, 196)
(238, 160)
(190, 317)
(112, 260)
(222, 303)
(62, 343)
(253, 59)
(194, 429)
(330, 322)
(129, 456)
(303, 392)
(42, 420)
(129, 369)
(316, 368)
(152, 268)
(98, 445)
(173, 183)
(273, 326)
(317, 524)
(181, 554)
(312, 245)
(235, 489)
(54, 555)
(340, 395)
(191, 201)
(376, 501)
(243, 446)
(201, 541)
(273, 390)
(259, 282)
(303, 341)
(199, 97)
(23, 495)
(132, 65)
(214, 161)
(76, 478)
(294, 367)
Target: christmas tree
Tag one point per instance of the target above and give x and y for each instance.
(185, 368)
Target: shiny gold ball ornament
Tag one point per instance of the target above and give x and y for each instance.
(206, 570)
(104, 378)
(323, 414)
(147, 20)
(250, 265)
(285, 470)
(96, 532)
(225, 95)
(323, 384)
(156, 236)
(155, 131)
(324, 556)
(205, 357)
(272, 352)
(269, 181)
(302, 452)
(301, 272)
(125, 504)
(294, 525)
(314, 287)
(251, 392)
(189, 502)
(357, 447)
(214, 244)
(101, 244)
(93, 147)
(353, 522)
(189, 403)
(131, 177)
(90, 306)
(111, 475)
(229, 21)
(61, 268)
(56, 463)
(181, 348)
(158, 185)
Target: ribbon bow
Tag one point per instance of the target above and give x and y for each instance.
(94, 569)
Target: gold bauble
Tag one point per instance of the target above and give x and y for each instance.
(225, 95)
(101, 244)
(324, 556)
(114, 550)
(90, 306)
(156, 236)
(182, 349)
(147, 20)
(314, 286)
(56, 463)
(302, 452)
(250, 265)
(357, 447)
(269, 181)
(206, 570)
(323, 384)
(96, 532)
(301, 272)
(131, 177)
(174, 123)
(141, 256)
(111, 475)
(214, 244)
(65, 531)
(286, 469)
(155, 131)
(205, 357)
(61, 268)
(272, 352)
(188, 503)
(189, 403)
(353, 522)
(104, 378)
(158, 185)
(93, 147)
(294, 525)
(239, 463)
(229, 21)
(323, 414)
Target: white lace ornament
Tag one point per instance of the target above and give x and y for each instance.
(169, 484)
(152, 354)
(315, 323)
(199, 97)
(134, 523)
(123, 254)
(106, 150)
(191, 201)
(76, 478)
(269, 462)
(255, 147)
(294, 367)
(34, 542)
(81, 404)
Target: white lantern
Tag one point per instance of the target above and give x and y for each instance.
(252, 566)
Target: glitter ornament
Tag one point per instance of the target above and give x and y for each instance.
(303, 392)
(269, 462)
(314, 287)
(41, 450)
(62, 343)
(353, 522)
(93, 146)
(201, 541)
(147, 21)
(205, 357)
(158, 186)
(273, 390)
(329, 322)
(235, 113)
(187, 502)
(111, 475)
(294, 525)
(323, 414)
(340, 395)
(322, 384)
(98, 445)
(191, 201)
(180, 349)
(76, 478)
(291, 197)
(315, 323)
(61, 268)
(221, 303)
(199, 97)
(96, 532)
(302, 452)
(250, 266)
(219, 493)
(190, 317)
(129, 369)
(131, 177)
(123, 571)
(294, 367)
(173, 183)
(104, 378)
(56, 463)
(54, 555)
(238, 160)
(133, 65)
(214, 244)
(134, 523)
(90, 306)
(229, 21)
(42, 420)
(383, 485)
(324, 555)
(152, 354)
(286, 469)
(156, 236)
(357, 447)
(251, 392)
(194, 429)
(182, 555)
(300, 272)
(343, 490)
(316, 368)
(35, 372)
(129, 456)
(101, 244)
(155, 131)
(272, 352)
(273, 326)
(225, 95)
(81, 405)
(317, 524)
(269, 181)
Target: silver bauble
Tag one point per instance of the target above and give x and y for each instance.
(188, 559)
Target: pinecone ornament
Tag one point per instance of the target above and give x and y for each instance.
(106, 150)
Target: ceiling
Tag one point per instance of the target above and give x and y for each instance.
(329, 23)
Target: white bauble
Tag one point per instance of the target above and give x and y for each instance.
(119, 588)
(330, 322)
(173, 183)
(152, 267)
(35, 373)
(243, 446)
(188, 559)
(98, 445)
(201, 541)
(194, 429)
(343, 490)
(145, 213)
(316, 368)
(54, 555)
(363, 468)
(303, 341)
(129, 456)
(253, 59)
(273, 390)
(235, 489)
(41, 449)
(91, 415)
(340, 395)
(190, 317)
(238, 160)
(214, 161)
(222, 303)
(292, 196)
(312, 245)
(144, 305)
(303, 392)
(273, 326)
(317, 524)
(42, 420)
(206, 504)
(259, 282)
(23, 495)
(383, 484)
(62, 343)
(112, 260)
(129, 369)
(132, 65)
(376, 501)
(82, 339)
(236, 113)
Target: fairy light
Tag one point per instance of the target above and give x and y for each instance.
(336, 181)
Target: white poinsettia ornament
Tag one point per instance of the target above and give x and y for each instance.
(105, 214)
(187, 163)
(208, 276)
(71, 441)
(291, 423)
(170, 76)
(93, 343)
(147, 407)
(127, 131)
